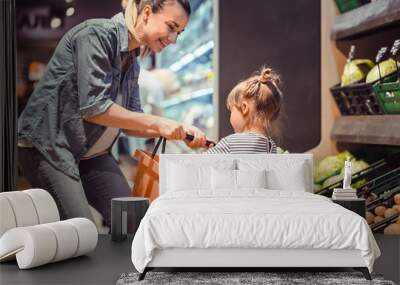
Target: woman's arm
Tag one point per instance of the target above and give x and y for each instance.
(141, 134)
(118, 117)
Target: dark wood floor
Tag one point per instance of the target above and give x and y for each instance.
(110, 259)
(102, 266)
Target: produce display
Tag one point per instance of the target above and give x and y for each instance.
(382, 69)
(331, 170)
(356, 71)
(382, 212)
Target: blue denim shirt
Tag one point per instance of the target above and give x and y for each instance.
(90, 65)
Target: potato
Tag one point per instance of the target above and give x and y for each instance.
(380, 211)
(397, 208)
(369, 217)
(390, 212)
(392, 229)
(378, 219)
(397, 199)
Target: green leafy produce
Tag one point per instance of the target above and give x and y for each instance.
(344, 155)
(357, 184)
(330, 166)
(317, 187)
(386, 67)
(281, 151)
(356, 166)
(355, 71)
(332, 180)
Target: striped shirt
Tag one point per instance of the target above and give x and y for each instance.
(245, 143)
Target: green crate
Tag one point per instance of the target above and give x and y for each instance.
(389, 96)
(347, 5)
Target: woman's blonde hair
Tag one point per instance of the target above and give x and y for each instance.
(263, 89)
(135, 7)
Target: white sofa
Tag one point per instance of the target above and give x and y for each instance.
(31, 231)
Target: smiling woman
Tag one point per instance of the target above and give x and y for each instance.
(87, 95)
(156, 24)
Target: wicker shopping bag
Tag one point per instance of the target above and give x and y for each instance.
(146, 179)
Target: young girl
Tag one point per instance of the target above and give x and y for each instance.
(254, 104)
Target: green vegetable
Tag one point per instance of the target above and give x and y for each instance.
(355, 71)
(386, 67)
(332, 180)
(330, 166)
(280, 150)
(317, 187)
(356, 166)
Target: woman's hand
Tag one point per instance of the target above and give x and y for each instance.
(173, 131)
(199, 137)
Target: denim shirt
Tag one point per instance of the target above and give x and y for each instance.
(81, 80)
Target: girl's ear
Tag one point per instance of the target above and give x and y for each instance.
(244, 108)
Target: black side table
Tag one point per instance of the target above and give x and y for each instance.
(357, 205)
(126, 214)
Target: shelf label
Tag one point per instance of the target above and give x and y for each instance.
(382, 51)
(395, 47)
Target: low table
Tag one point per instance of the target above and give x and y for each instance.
(102, 266)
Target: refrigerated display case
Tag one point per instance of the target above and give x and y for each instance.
(191, 60)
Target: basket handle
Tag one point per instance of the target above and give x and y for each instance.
(160, 140)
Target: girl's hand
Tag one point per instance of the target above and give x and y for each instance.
(199, 137)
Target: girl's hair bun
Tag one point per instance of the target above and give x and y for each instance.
(267, 74)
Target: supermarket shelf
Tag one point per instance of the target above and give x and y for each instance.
(189, 96)
(381, 130)
(366, 19)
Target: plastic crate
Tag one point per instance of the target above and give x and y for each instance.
(389, 96)
(356, 99)
(361, 98)
(347, 5)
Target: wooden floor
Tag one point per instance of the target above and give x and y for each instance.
(110, 259)
(103, 266)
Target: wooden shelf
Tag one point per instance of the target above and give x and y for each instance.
(381, 130)
(366, 19)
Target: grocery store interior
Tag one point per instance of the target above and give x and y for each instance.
(339, 63)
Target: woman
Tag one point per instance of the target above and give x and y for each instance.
(89, 93)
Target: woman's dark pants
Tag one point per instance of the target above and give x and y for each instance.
(100, 180)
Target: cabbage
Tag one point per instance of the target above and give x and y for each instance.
(330, 166)
(317, 187)
(281, 151)
(332, 180)
(344, 155)
(355, 71)
(356, 166)
(386, 67)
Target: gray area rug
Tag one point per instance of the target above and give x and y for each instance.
(273, 278)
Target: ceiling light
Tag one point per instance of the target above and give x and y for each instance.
(55, 23)
(70, 11)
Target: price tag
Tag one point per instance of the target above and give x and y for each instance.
(381, 54)
(395, 47)
(350, 56)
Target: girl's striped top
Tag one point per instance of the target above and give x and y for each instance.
(244, 143)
